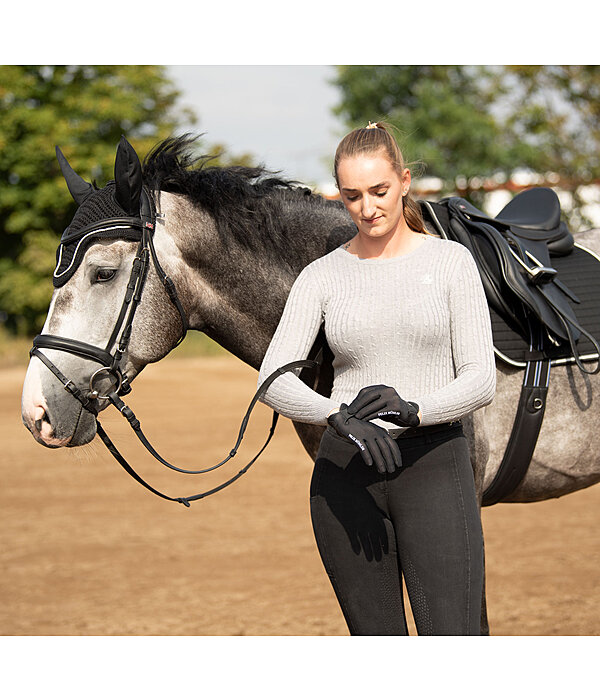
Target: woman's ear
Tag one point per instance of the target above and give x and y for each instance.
(406, 180)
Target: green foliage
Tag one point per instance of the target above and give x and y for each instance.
(442, 114)
(555, 109)
(84, 110)
(477, 120)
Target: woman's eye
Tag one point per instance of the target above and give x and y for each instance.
(105, 274)
(351, 199)
(382, 194)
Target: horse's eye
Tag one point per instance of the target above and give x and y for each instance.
(105, 274)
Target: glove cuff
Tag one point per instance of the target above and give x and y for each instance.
(416, 407)
(341, 416)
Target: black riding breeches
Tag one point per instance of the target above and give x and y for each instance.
(421, 523)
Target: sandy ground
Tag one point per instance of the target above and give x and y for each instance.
(87, 551)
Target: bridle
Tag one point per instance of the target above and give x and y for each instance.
(141, 228)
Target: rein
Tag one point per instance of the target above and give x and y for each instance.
(110, 363)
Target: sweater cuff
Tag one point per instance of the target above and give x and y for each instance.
(428, 416)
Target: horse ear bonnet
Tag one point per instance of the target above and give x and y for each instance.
(88, 226)
(128, 177)
(92, 220)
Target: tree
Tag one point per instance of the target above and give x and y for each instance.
(478, 120)
(556, 111)
(442, 113)
(84, 110)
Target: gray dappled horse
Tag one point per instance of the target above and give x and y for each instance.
(233, 240)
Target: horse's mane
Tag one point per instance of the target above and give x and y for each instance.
(245, 202)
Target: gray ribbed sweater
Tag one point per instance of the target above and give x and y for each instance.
(418, 322)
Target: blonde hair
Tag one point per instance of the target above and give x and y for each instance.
(374, 138)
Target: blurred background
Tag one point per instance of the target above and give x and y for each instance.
(483, 132)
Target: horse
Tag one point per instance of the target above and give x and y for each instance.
(232, 240)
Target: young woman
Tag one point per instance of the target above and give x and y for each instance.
(405, 314)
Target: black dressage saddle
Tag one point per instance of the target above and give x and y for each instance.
(534, 307)
(513, 253)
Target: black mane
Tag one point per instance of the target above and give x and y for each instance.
(247, 203)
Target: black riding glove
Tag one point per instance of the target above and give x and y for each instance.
(375, 444)
(380, 401)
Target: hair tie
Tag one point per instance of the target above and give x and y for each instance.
(371, 126)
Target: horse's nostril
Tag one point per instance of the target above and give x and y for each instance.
(39, 423)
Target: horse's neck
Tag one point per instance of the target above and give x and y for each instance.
(236, 294)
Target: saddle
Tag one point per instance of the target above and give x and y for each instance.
(518, 254)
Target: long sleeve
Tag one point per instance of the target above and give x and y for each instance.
(293, 339)
(472, 350)
(418, 322)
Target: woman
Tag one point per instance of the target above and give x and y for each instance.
(405, 314)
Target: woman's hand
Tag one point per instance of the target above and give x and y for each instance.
(380, 401)
(375, 444)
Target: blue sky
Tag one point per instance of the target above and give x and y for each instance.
(280, 114)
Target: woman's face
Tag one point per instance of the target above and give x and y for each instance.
(372, 193)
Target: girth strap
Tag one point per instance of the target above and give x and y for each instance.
(525, 431)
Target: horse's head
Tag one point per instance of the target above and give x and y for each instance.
(98, 316)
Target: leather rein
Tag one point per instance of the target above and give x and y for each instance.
(109, 362)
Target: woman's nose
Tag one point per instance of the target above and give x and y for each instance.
(368, 207)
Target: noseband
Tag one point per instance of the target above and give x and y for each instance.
(142, 228)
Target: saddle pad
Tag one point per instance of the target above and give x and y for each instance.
(580, 271)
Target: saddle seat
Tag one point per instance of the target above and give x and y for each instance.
(537, 209)
(533, 215)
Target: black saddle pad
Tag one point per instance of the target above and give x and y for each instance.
(580, 271)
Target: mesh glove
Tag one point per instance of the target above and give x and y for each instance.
(375, 444)
(380, 401)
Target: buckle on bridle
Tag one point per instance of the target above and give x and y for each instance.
(94, 393)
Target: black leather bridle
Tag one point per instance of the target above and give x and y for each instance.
(110, 363)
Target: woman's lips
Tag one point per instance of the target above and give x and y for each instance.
(372, 221)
